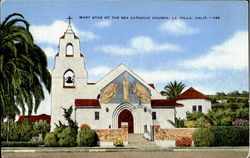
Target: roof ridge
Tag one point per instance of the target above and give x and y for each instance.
(192, 93)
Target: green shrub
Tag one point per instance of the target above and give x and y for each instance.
(41, 127)
(67, 137)
(201, 122)
(25, 130)
(58, 130)
(221, 117)
(14, 134)
(194, 116)
(190, 124)
(222, 136)
(50, 139)
(203, 137)
(118, 143)
(226, 121)
(86, 137)
(3, 131)
(22, 144)
(231, 135)
(177, 123)
(242, 113)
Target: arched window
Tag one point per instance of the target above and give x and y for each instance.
(200, 108)
(69, 50)
(194, 108)
(69, 79)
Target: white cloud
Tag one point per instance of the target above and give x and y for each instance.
(146, 44)
(50, 52)
(99, 71)
(139, 44)
(164, 76)
(51, 33)
(104, 23)
(177, 27)
(231, 54)
(87, 35)
(117, 50)
(44, 107)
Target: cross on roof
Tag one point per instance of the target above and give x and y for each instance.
(69, 18)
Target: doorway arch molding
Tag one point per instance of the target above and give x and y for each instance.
(133, 110)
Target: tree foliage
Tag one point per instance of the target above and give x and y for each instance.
(66, 134)
(86, 137)
(23, 67)
(177, 123)
(173, 89)
(41, 127)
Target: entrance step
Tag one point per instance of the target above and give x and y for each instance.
(138, 140)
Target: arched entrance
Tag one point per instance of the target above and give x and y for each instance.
(126, 116)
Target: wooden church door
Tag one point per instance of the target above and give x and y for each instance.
(126, 116)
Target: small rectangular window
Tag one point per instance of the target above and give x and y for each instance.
(154, 115)
(194, 108)
(200, 108)
(96, 115)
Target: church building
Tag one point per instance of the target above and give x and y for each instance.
(121, 96)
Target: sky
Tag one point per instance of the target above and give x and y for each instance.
(203, 44)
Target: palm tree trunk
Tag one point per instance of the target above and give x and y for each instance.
(8, 129)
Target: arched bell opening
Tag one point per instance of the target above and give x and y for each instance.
(69, 78)
(69, 50)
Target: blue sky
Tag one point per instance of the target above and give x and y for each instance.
(209, 54)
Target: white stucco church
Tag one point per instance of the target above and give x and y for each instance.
(121, 96)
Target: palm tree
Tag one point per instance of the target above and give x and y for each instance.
(23, 66)
(173, 89)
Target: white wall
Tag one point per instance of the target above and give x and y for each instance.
(188, 104)
(162, 117)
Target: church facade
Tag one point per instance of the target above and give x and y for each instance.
(121, 96)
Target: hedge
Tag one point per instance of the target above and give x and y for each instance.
(67, 137)
(222, 136)
(86, 137)
(203, 137)
(21, 144)
(23, 131)
(51, 139)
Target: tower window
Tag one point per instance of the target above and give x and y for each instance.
(194, 108)
(97, 115)
(69, 50)
(154, 115)
(69, 79)
(200, 108)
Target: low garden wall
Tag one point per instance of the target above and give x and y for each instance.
(167, 137)
(107, 136)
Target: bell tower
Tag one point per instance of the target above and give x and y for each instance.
(69, 74)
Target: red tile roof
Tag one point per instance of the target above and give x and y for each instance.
(90, 83)
(87, 102)
(152, 85)
(35, 118)
(69, 86)
(191, 93)
(164, 103)
(62, 37)
(76, 37)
